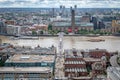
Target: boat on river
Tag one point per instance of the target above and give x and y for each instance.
(96, 40)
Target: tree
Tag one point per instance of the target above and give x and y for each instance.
(1, 63)
(41, 32)
(49, 27)
(34, 32)
(119, 31)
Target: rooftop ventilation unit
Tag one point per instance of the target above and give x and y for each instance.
(25, 57)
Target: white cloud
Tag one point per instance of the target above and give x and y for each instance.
(57, 3)
(2, 0)
(7, 0)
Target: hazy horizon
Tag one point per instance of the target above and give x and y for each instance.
(57, 3)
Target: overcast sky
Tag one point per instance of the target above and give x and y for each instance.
(57, 3)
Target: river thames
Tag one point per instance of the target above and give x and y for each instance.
(111, 43)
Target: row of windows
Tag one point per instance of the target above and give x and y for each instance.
(25, 76)
(26, 79)
(29, 64)
(24, 73)
(66, 28)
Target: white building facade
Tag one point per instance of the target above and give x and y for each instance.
(13, 30)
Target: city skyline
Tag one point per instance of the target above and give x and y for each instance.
(59, 40)
(57, 3)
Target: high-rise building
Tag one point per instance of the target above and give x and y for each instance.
(2, 28)
(94, 20)
(71, 8)
(75, 6)
(115, 25)
(62, 10)
(53, 12)
(101, 25)
(60, 6)
(13, 30)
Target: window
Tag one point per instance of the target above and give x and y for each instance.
(43, 64)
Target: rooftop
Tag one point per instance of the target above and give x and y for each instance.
(25, 69)
(68, 24)
(98, 66)
(74, 62)
(29, 50)
(62, 24)
(98, 50)
(76, 70)
(59, 18)
(20, 58)
(4, 45)
(84, 24)
(81, 78)
(72, 53)
(92, 60)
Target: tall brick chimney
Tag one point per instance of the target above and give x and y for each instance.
(73, 20)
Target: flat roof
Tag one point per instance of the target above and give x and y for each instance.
(75, 70)
(29, 50)
(82, 77)
(68, 24)
(25, 69)
(62, 24)
(91, 59)
(85, 24)
(20, 58)
(97, 49)
(69, 52)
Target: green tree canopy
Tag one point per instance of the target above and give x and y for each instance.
(34, 32)
(49, 27)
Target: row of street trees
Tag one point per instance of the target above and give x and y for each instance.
(82, 32)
